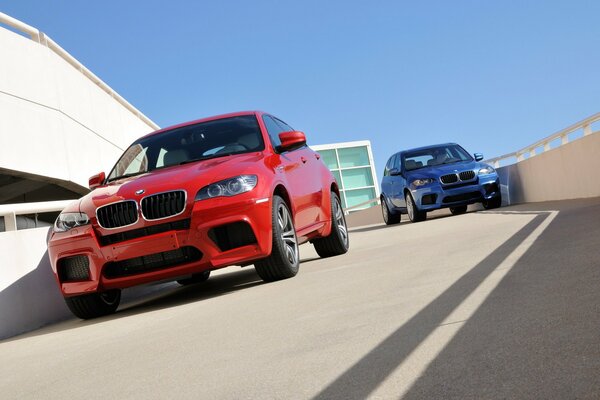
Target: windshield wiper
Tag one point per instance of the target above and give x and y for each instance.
(126, 176)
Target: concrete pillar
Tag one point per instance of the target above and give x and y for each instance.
(564, 139)
(587, 130)
(10, 222)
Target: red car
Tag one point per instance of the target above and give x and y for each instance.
(235, 189)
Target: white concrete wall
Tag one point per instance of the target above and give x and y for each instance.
(29, 295)
(54, 121)
(566, 172)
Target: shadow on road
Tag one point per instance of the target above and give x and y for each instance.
(535, 336)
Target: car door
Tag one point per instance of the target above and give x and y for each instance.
(398, 183)
(296, 166)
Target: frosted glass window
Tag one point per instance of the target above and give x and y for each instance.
(329, 158)
(357, 196)
(355, 178)
(343, 200)
(337, 177)
(353, 157)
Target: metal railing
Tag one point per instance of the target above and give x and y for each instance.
(563, 135)
(10, 211)
(44, 40)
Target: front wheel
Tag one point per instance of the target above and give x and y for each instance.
(414, 214)
(94, 305)
(490, 204)
(389, 217)
(338, 241)
(284, 260)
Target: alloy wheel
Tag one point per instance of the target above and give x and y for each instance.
(288, 234)
(341, 221)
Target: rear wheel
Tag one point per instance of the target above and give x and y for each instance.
(196, 278)
(490, 204)
(414, 213)
(389, 217)
(338, 240)
(458, 210)
(94, 305)
(284, 260)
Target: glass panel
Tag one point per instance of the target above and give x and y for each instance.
(354, 156)
(328, 157)
(355, 178)
(337, 177)
(357, 196)
(343, 199)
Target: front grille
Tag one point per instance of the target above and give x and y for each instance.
(118, 214)
(460, 176)
(138, 233)
(466, 175)
(462, 197)
(151, 262)
(231, 236)
(448, 179)
(75, 268)
(163, 205)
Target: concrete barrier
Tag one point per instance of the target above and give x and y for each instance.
(566, 172)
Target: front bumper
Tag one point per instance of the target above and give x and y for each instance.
(203, 240)
(435, 196)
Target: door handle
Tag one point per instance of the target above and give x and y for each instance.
(304, 160)
(317, 156)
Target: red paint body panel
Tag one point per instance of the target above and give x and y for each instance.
(300, 173)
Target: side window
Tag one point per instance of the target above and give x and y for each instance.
(274, 129)
(388, 166)
(283, 125)
(396, 162)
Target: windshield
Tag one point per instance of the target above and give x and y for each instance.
(433, 156)
(201, 141)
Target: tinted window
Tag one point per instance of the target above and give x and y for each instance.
(274, 129)
(283, 125)
(200, 141)
(433, 156)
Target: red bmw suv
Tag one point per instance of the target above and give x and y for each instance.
(235, 189)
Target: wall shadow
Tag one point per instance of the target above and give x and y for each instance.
(368, 373)
(31, 301)
(537, 334)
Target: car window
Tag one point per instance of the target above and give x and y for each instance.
(216, 138)
(283, 125)
(274, 129)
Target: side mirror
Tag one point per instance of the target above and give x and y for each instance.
(96, 180)
(478, 156)
(291, 140)
(395, 172)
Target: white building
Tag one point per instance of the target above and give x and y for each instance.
(353, 167)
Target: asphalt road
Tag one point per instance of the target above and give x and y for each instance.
(487, 305)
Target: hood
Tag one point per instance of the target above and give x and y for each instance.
(439, 170)
(190, 177)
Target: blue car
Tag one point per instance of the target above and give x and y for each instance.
(433, 177)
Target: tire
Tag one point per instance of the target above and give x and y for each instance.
(195, 278)
(389, 217)
(458, 210)
(496, 202)
(414, 214)
(284, 260)
(338, 241)
(94, 305)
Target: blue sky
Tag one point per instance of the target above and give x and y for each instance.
(493, 76)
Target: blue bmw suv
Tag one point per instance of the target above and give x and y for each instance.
(428, 178)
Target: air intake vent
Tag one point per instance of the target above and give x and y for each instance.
(163, 205)
(151, 262)
(116, 215)
(466, 175)
(75, 268)
(448, 179)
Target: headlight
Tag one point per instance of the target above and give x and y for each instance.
(422, 182)
(486, 170)
(69, 220)
(228, 187)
